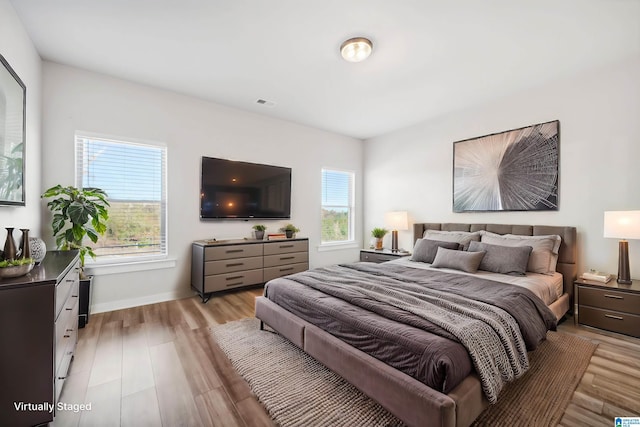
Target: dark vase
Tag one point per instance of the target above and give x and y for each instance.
(288, 233)
(10, 245)
(25, 251)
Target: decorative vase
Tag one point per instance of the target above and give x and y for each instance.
(259, 234)
(378, 243)
(289, 233)
(9, 245)
(25, 250)
(38, 249)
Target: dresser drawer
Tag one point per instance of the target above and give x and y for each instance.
(283, 259)
(231, 265)
(233, 251)
(64, 287)
(222, 282)
(284, 270)
(286, 247)
(610, 320)
(66, 328)
(609, 299)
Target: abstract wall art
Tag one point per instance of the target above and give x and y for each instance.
(515, 170)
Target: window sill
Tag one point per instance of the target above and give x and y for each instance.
(338, 246)
(101, 269)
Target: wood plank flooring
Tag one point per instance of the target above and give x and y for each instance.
(158, 365)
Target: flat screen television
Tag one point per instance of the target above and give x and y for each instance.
(233, 189)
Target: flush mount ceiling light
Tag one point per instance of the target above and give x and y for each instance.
(356, 49)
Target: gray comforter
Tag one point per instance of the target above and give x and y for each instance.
(431, 325)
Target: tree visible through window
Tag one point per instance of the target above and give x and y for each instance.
(133, 176)
(337, 206)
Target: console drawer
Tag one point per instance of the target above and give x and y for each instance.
(64, 287)
(221, 282)
(285, 247)
(284, 270)
(233, 251)
(283, 259)
(610, 320)
(231, 265)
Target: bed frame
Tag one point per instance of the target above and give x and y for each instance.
(407, 398)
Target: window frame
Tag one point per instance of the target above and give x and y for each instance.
(109, 264)
(351, 240)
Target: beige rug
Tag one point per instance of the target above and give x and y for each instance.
(298, 391)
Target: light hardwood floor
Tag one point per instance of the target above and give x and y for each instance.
(158, 365)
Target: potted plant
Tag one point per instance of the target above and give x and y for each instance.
(259, 231)
(379, 233)
(78, 213)
(290, 230)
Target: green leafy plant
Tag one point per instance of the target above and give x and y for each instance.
(379, 233)
(15, 262)
(77, 213)
(290, 227)
(259, 227)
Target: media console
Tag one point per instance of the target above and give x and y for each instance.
(221, 265)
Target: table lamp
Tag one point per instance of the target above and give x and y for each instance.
(622, 225)
(397, 220)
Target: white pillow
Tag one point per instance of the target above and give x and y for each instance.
(544, 256)
(461, 237)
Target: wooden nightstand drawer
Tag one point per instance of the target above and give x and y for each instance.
(610, 320)
(610, 299)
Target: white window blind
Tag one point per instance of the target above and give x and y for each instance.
(337, 206)
(134, 177)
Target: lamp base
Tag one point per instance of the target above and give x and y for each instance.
(394, 241)
(624, 276)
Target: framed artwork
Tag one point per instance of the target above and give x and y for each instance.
(12, 135)
(515, 170)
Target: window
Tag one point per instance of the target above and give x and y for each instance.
(337, 206)
(134, 177)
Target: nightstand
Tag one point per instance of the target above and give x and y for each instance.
(611, 306)
(382, 255)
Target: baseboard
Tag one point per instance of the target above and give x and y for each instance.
(136, 302)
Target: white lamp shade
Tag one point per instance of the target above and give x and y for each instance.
(622, 224)
(397, 220)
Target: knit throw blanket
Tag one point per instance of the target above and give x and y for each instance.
(490, 334)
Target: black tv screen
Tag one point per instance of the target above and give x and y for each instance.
(232, 189)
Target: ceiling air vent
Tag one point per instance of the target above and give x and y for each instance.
(265, 103)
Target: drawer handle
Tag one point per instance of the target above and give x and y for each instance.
(62, 378)
(235, 264)
(234, 284)
(66, 336)
(70, 280)
(613, 296)
(234, 251)
(285, 246)
(234, 278)
(69, 330)
(74, 296)
(611, 316)
(286, 269)
(68, 309)
(286, 257)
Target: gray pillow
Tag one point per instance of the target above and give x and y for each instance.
(458, 260)
(544, 255)
(425, 249)
(462, 237)
(503, 259)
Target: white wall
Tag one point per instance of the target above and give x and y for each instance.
(18, 50)
(411, 169)
(75, 99)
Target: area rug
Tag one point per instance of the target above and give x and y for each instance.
(297, 390)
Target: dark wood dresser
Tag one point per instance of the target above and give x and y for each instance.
(38, 336)
(611, 306)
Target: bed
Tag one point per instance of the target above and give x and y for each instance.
(393, 383)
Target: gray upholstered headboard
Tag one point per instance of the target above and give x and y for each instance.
(567, 257)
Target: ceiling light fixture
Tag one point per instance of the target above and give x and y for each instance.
(356, 49)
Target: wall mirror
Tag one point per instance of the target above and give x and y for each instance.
(12, 135)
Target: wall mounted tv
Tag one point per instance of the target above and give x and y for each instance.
(232, 189)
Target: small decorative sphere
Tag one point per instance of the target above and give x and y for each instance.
(38, 249)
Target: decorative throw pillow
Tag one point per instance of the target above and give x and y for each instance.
(425, 250)
(503, 259)
(458, 260)
(544, 256)
(462, 237)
